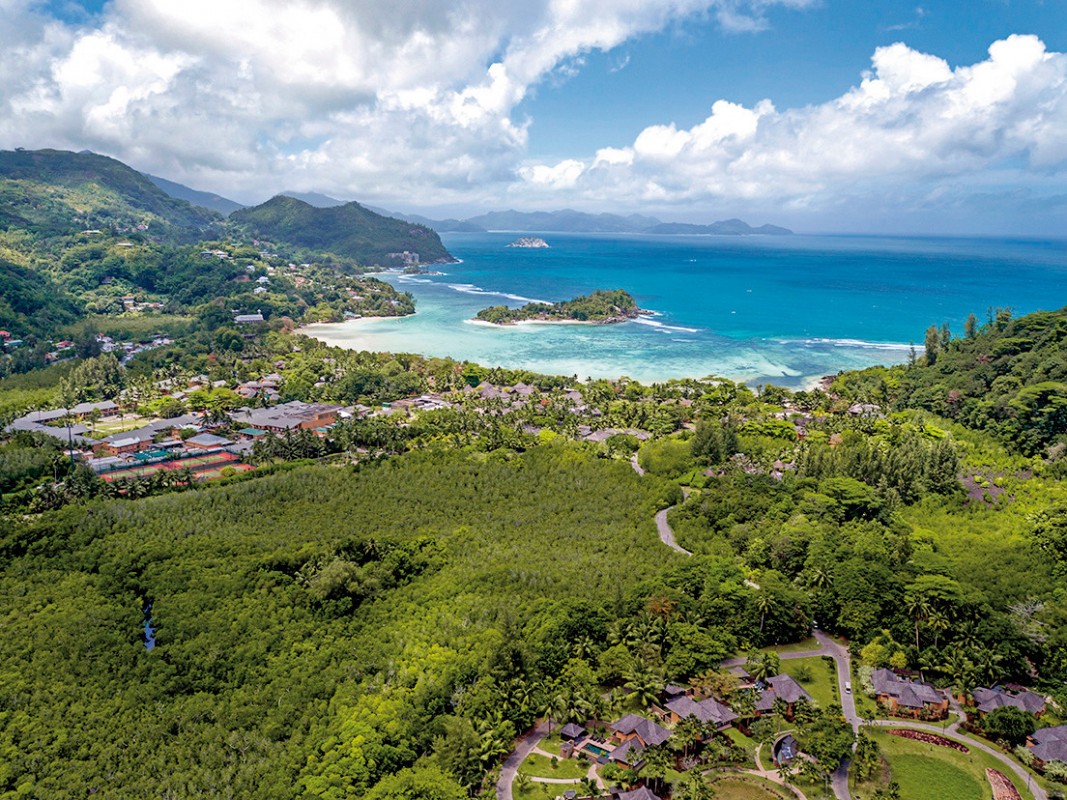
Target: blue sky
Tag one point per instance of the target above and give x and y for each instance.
(940, 117)
(803, 56)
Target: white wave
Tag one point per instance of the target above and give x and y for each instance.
(470, 288)
(857, 343)
(410, 279)
(663, 327)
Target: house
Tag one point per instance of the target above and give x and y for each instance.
(640, 793)
(207, 441)
(628, 754)
(987, 700)
(908, 698)
(248, 319)
(294, 415)
(710, 712)
(106, 408)
(632, 727)
(784, 688)
(1048, 744)
(120, 443)
(571, 732)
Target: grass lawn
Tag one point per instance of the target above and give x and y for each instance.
(537, 766)
(109, 425)
(930, 772)
(538, 791)
(823, 684)
(747, 788)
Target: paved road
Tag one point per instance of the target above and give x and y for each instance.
(666, 535)
(839, 653)
(523, 748)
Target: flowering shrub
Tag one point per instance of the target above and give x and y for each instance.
(929, 738)
(1003, 789)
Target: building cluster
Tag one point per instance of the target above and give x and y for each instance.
(625, 741)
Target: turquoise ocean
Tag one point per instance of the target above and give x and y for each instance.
(767, 309)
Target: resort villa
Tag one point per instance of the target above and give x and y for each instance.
(908, 698)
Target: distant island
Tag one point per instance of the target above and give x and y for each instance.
(529, 242)
(602, 307)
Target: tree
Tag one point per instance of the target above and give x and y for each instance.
(828, 739)
(932, 344)
(1009, 724)
(970, 327)
(458, 750)
(763, 665)
(644, 684)
(918, 607)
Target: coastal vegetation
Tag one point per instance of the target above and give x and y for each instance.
(384, 604)
(600, 306)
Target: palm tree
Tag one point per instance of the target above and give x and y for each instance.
(918, 608)
(938, 623)
(644, 685)
(765, 604)
(988, 664)
(687, 733)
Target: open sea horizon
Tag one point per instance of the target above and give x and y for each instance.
(760, 309)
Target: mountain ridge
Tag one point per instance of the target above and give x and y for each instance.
(350, 230)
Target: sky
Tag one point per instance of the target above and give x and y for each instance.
(823, 115)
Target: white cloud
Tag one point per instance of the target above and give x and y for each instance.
(911, 122)
(245, 96)
(414, 103)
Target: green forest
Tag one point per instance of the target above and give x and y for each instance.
(380, 607)
(598, 306)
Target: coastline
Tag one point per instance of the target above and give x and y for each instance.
(517, 322)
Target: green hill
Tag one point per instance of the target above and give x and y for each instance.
(349, 231)
(1008, 377)
(31, 303)
(56, 192)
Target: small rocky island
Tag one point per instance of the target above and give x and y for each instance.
(602, 307)
(529, 242)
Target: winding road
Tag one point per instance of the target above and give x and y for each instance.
(666, 535)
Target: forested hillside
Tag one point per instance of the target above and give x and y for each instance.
(54, 192)
(1008, 377)
(350, 231)
(317, 630)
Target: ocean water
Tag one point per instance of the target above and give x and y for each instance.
(782, 310)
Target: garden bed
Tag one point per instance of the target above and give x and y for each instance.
(1003, 788)
(928, 738)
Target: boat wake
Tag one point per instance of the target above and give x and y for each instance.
(856, 343)
(470, 288)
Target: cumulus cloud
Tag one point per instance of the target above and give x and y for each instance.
(912, 120)
(242, 96)
(414, 102)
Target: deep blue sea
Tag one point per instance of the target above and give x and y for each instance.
(782, 310)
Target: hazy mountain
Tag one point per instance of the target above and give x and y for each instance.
(727, 227)
(565, 221)
(316, 199)
(215, 202)
(59, 192)
(348, 230)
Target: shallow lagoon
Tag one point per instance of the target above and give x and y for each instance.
(783, 310)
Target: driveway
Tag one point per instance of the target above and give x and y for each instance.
(523, 748)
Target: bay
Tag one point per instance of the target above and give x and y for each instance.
(783, 310)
